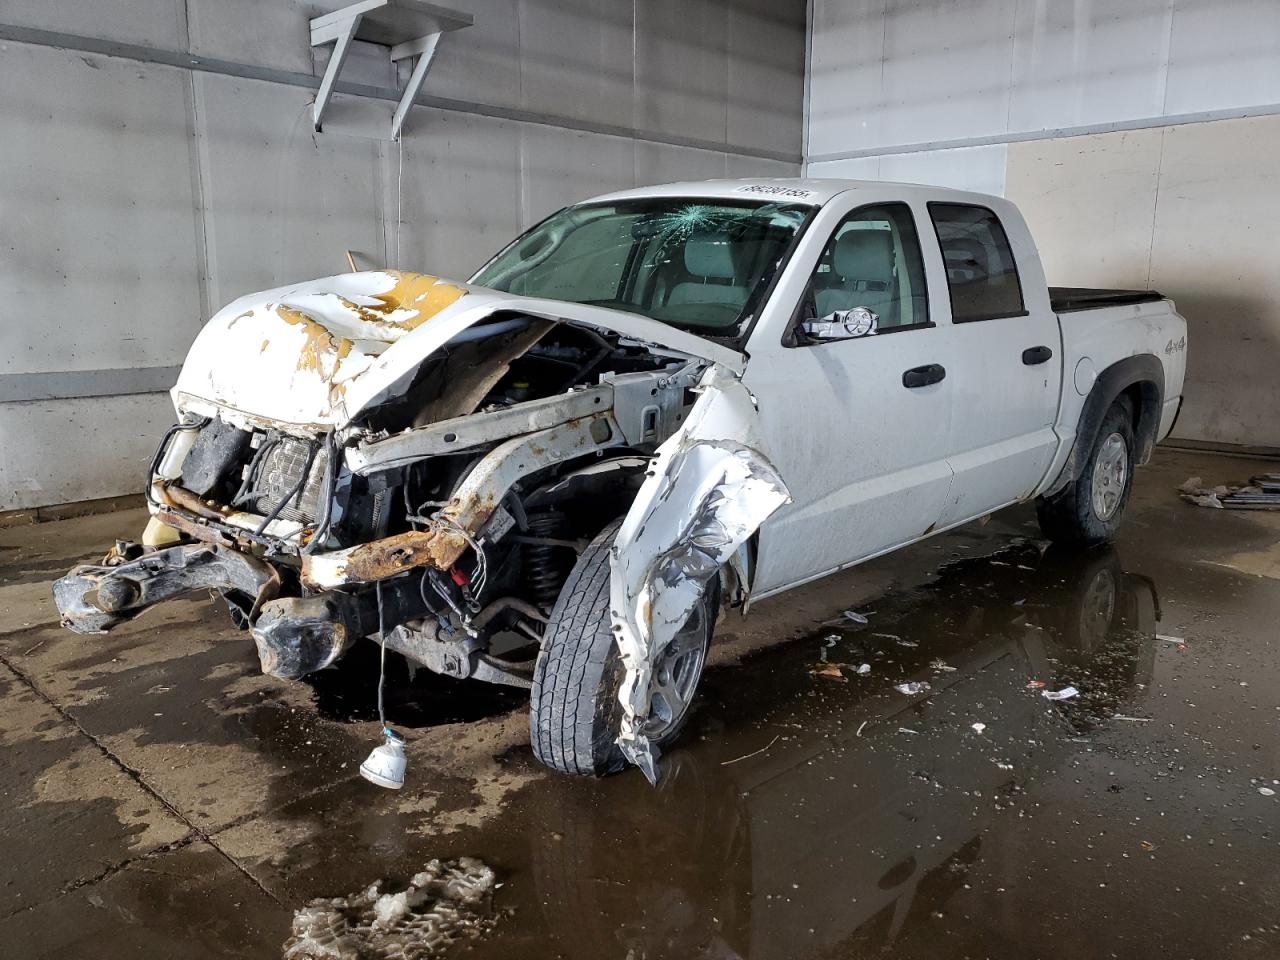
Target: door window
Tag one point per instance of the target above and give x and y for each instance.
(872, 261)
(981, 275)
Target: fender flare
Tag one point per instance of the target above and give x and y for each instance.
(1143, 370)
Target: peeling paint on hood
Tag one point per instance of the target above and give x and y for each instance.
(315, 354)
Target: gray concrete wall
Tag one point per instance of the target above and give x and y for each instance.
(158, 160)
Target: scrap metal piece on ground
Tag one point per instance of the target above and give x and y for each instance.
(1262, 492)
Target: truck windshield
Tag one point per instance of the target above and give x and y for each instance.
(700, 265)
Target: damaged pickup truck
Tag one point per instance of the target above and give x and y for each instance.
(649, 406)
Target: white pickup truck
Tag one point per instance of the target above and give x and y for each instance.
(648, 405)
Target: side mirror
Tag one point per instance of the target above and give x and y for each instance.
(841, 325)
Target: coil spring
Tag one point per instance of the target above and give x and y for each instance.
(545, 567)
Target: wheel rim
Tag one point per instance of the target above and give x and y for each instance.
(675, 676)
(1110, 473)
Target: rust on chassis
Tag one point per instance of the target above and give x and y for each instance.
(455, 527)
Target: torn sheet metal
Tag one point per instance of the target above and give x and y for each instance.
(709, 489)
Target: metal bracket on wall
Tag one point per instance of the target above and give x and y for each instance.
(411, 28)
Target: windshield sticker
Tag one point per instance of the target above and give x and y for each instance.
(771, 190)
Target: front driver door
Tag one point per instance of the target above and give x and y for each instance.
(858, 428)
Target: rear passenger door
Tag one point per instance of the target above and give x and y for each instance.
(1005, 358)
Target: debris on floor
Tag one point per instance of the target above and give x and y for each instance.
(850, 616)
(1262, 492)
(1066, 693)
(829, 670)
(446, 901)
(914, 687)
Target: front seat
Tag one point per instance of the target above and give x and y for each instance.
(863, 265)
(709, 255)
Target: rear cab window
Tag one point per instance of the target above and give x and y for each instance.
(982, 277)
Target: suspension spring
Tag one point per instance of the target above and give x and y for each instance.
(546, 566)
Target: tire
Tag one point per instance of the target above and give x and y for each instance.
(574, 712)
(1075, 514)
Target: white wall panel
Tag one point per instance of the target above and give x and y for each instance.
(946, 69)
(67, 450)
(97, 211)
(560, 167)
(857, 168)
(461, 203)
(283, 203)
(1223, 53)
(845, 70)
(1088, 62)
(965, 168)
(889, 73)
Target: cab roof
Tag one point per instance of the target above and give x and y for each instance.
(811, 190)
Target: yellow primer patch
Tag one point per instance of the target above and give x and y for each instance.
(320, 345)
(421, 293)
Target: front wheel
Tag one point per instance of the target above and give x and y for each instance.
(574, 714)
(1088, 509)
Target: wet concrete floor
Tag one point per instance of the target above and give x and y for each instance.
(160, 798)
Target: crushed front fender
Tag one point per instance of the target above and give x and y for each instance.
(710, 487)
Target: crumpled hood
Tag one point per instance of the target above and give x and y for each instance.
(315, 354)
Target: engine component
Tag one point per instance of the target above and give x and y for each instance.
(287, 479)
(217, 448)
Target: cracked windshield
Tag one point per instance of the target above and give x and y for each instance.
(698, 265)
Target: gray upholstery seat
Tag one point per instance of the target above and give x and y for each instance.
(862, 264)
(709, 255)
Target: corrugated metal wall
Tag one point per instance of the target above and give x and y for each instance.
(1138, 137)
(158, 160)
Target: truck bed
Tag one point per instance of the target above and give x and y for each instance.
(1070, 299)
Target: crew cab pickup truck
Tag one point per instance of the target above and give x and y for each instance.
(649, 405)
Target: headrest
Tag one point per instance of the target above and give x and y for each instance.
(864, 255)
(708, 254)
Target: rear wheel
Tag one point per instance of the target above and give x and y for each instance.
(574, 714)
(1088, 509)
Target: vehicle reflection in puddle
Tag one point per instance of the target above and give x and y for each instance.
(821, 817)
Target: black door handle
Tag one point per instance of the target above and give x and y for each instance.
(923, 376)
(1033, 355)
